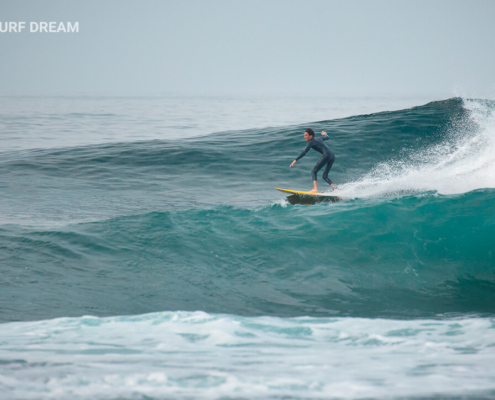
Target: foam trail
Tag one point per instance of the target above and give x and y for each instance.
(463, 162)
(177, 354)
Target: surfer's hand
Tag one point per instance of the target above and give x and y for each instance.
(293, 162)
(323, 133)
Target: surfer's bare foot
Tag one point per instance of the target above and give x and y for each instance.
(334, 187)
(313, 191)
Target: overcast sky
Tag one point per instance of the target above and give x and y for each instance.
(252, 47)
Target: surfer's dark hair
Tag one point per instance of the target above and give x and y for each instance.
(310, 132)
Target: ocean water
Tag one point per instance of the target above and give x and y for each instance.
(145, 252)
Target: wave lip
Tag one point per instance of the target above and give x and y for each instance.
(181, 354)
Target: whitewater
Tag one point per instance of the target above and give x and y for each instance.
(145, 252)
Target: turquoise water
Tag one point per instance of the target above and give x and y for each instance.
(388, 292)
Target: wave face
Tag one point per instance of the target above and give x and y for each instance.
(412, 256)
(196, 224)
(238, 168)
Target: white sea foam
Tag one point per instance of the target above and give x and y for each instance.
(198, 355)
(463, 162)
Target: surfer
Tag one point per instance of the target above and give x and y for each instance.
(327, 157)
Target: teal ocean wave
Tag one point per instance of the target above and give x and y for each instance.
(413, 256)
(196, 224)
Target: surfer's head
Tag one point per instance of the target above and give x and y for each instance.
(309, 134)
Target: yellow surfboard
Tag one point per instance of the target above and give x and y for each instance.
(306, 193)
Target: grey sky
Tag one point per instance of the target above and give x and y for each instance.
(252, 47)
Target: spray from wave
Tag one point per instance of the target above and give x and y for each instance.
(462, 162)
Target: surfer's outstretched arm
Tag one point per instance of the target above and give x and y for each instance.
(308, 147)
(325, 136)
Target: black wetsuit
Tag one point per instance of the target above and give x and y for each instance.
(327, 157)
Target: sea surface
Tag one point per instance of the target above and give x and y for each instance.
(145, 253)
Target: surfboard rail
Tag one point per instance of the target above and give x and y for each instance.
(302, 193)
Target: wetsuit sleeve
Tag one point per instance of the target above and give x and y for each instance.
(304, 151)
(325, 137)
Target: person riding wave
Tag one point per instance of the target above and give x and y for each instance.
(327, 157)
